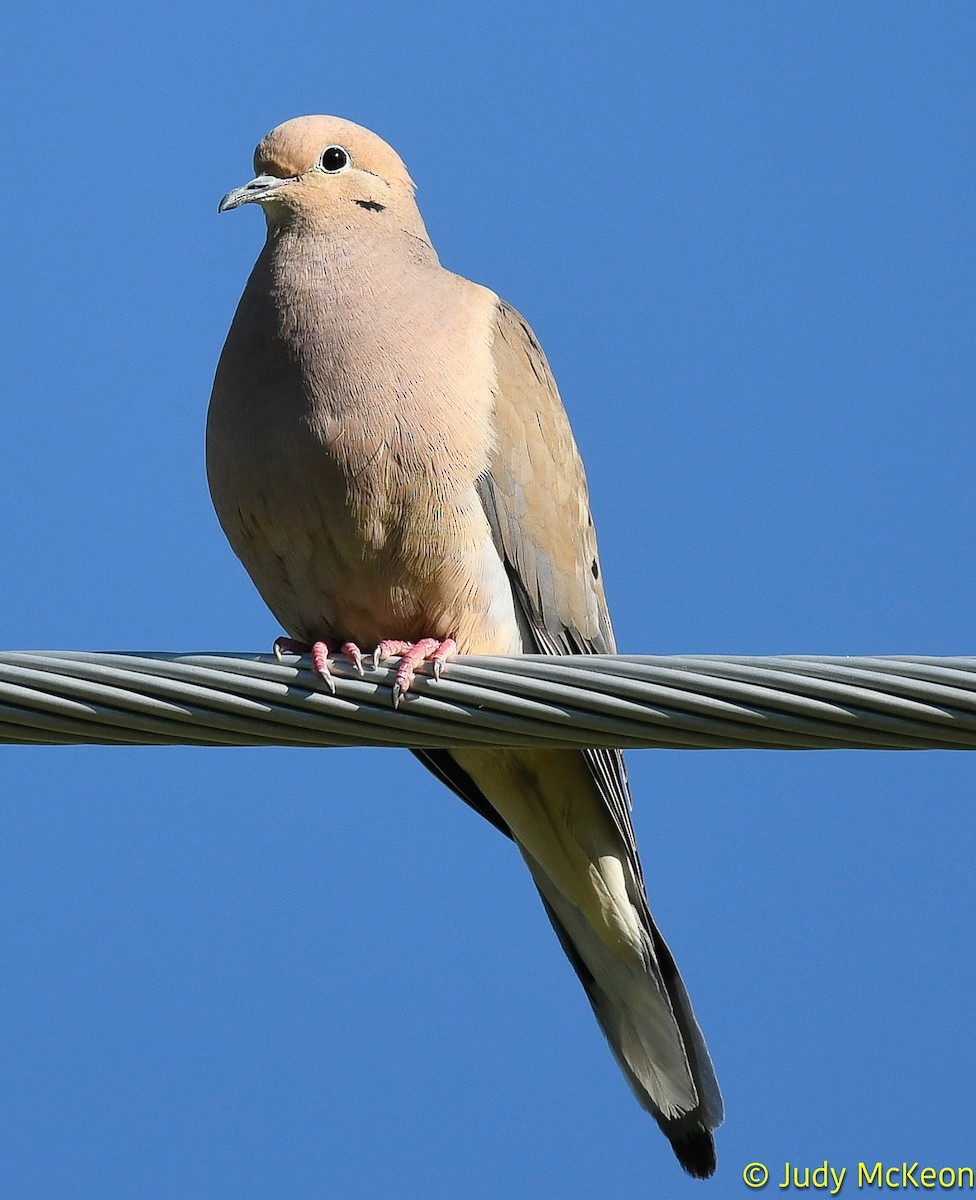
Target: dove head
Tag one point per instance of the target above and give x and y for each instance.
(322, 170)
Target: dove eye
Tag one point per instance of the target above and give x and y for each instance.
(334, 159)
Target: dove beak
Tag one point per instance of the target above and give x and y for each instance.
(259, 189)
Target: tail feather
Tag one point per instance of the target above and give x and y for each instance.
(709, 1093)
(568, 815)
(647, 1019)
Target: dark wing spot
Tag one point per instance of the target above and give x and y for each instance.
(372, 205)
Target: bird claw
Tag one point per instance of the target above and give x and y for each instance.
(413, 655)
(389, 648)
(287, 645)
(320, 657)
(355, 656)
(320, 664)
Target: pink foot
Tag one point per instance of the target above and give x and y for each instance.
(413, 655)
(320, 656)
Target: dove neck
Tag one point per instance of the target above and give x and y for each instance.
(310, 272)
(362, 242)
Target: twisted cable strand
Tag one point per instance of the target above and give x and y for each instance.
(627, 701)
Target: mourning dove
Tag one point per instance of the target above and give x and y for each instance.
(389, 457)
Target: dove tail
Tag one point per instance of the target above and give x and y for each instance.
(630, 1008)
(637, 995)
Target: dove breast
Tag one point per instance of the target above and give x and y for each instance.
(352, 415)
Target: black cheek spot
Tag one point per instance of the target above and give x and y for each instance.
(371, 205)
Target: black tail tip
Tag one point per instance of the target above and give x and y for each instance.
(696, 1153)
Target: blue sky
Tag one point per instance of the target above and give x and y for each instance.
(744, 235)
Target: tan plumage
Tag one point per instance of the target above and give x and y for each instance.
(389, 457)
